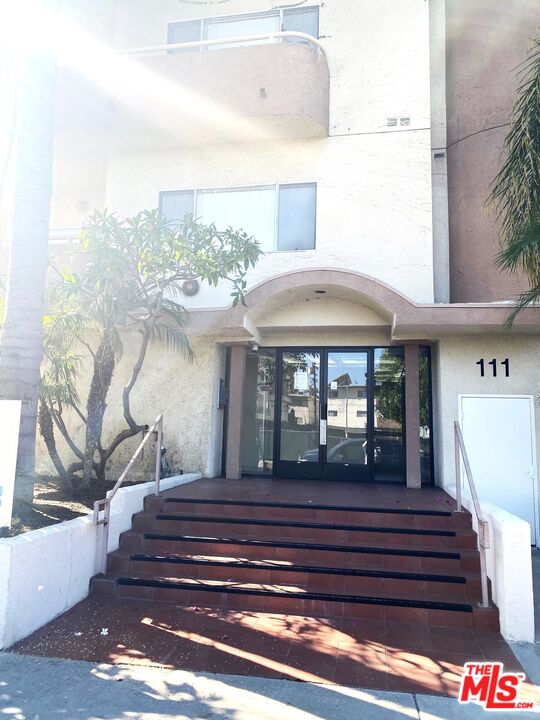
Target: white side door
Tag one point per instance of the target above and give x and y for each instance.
(499, 436)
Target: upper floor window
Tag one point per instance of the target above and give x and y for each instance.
(301, 19)
(280, 217)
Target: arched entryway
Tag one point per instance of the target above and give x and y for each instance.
(322, 392)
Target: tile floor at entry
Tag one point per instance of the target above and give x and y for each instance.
(368, 653)
(358, 653)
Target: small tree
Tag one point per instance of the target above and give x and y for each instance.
(516, 189)
(134, 270)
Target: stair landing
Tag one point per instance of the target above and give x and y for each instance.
(370, 586)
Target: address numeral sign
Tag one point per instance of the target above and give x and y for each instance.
(504, 366)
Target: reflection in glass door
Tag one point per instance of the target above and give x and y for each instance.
(389, 401)
(300, 415)
(340, 414)
(347, 410)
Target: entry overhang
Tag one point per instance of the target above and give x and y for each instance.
(404, 319)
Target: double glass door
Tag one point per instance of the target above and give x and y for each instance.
(334, 414)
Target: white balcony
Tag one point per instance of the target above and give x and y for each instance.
(190, 94)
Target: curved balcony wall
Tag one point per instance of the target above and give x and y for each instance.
(273, 91)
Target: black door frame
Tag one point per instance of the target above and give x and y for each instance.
(322, 470)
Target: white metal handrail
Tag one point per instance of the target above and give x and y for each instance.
(104, 506)
(228, 41)
(483, 526)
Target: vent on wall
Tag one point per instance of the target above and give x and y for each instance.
(395, 121)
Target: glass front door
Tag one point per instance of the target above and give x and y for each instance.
(340, 414)
(347, 452)
(299, 451)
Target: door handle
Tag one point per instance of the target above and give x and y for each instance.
(322, 432)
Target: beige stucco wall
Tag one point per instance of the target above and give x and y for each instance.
(373, 181)
(186, 394)
(456, 372)
(373, 197)
(80, 168)
(321, 311)
(373, 200)
(378, 53)
(485, 47)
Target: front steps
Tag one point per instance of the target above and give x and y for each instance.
(395, 564)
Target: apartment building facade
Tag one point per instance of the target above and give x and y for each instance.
(351, 139)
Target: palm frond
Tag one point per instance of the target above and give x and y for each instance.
(524, 252)
(173, 338)
(175, 312)
(527, 298)
(515, 192)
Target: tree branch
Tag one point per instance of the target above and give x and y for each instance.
(119, 439)
(46, 429)
(61, 426)
(136, 370)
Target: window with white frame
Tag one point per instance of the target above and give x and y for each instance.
(300, 19)
(280, 217)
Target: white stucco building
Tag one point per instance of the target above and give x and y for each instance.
(354, 152)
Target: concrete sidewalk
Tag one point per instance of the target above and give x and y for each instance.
(35, 688)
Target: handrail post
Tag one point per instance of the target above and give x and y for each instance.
(105, 504)
(482, 524)
(158, 453)
(105, 535)
(483, 569)
(458, 469)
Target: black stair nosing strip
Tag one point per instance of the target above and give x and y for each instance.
(327, 597)
(316, 569)
(372, 550)
(307, 525)
(310, 506)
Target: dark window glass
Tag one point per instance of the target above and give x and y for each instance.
(388, 440)
(258, 414)
(239, 26)
(299, 416)
(426, 433)
(296, 225)
(304, 20)
(346, 438)
(174, 206)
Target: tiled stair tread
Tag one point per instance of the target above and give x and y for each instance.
(308, 506)
(289, 591)
(232, 563)
(374, 550)
(303, 524)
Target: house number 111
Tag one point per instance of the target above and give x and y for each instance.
(493, 363)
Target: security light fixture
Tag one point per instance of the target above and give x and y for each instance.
(190, 287)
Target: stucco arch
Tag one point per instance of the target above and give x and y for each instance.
(347, 285)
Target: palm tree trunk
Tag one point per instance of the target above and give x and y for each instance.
(21, 339)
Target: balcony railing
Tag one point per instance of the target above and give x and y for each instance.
(242, 40)
(262, 87)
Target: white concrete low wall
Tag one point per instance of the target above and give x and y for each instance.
(45, 572)
(509, 567)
